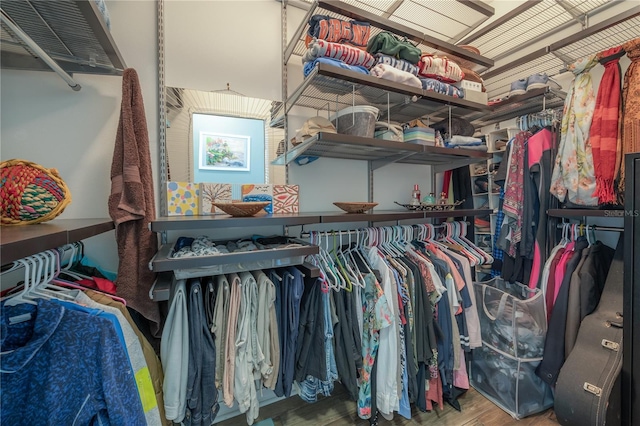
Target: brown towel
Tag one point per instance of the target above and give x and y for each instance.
(132, 204)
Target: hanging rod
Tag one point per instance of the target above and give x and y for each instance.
(37, 50)
(595, 227)
(355, 231)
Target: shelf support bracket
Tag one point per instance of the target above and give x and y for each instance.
(6, 19)
(298, 32)
(376, 164)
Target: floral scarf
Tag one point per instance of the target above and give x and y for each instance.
(573, 177)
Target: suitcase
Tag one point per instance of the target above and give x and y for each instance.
(588, 389)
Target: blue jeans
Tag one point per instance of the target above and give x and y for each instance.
(202, 395)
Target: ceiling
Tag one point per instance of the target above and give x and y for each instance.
(521, 37)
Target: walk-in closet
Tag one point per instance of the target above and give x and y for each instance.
(319, 212)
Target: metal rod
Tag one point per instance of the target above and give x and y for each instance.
(500, 21)
(307, 234)
(37, 50)
(595, 227)
(479, 6)
(608, 23)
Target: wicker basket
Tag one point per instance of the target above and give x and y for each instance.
(359, 207)
(243, 209)
(30, 193)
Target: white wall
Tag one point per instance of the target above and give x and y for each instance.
(46, 122)
(211, 43)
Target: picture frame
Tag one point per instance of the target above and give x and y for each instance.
(221, 151)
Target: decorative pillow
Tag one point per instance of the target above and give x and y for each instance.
(439, 68)
(30, 193)
(336, 30)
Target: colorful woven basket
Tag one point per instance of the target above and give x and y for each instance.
(30, 193)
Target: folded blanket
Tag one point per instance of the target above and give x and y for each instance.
(440, 68)
(336, 30)
(397, 63)
(442, 88)
(463, 140)
(393, 74)
(345, 53)
(482, 147)
(309, 66)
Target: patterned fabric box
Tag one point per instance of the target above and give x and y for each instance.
(259, 192)
(286, 199)
(214, 193)
(182, 198)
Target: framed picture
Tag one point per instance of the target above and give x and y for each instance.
(220, 151)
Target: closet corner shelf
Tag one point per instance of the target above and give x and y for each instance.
(72, 32)
(530, 102)
(332, 87)
(25, 240)
(381, 152)
(579, 213)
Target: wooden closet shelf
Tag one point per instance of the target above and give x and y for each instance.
(24, 240)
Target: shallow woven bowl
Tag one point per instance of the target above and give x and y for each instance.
(359, 207)
(243, 209)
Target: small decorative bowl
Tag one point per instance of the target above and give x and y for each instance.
(359, 207)
(242, 209)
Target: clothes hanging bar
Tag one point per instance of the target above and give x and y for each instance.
(596, 228)
(307, 234)
(37, 50)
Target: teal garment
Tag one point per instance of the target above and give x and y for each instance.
(376, 317)
(574, 177)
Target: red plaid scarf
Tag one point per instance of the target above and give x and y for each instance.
(604, 127)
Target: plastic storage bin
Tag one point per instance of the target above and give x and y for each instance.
(513, 326)
(420, 135)
(359, 120)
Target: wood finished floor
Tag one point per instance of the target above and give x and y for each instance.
(338, 410)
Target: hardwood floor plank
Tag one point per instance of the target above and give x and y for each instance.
(338, 410)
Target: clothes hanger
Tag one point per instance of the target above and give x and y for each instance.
(77, 253)
(486, 258)
(346, 280)
(46, 288)
(335, 264)
(350, 263)
(18, 298)
(332, 279)
(358, 251)
(451, 236)
(62, 285)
